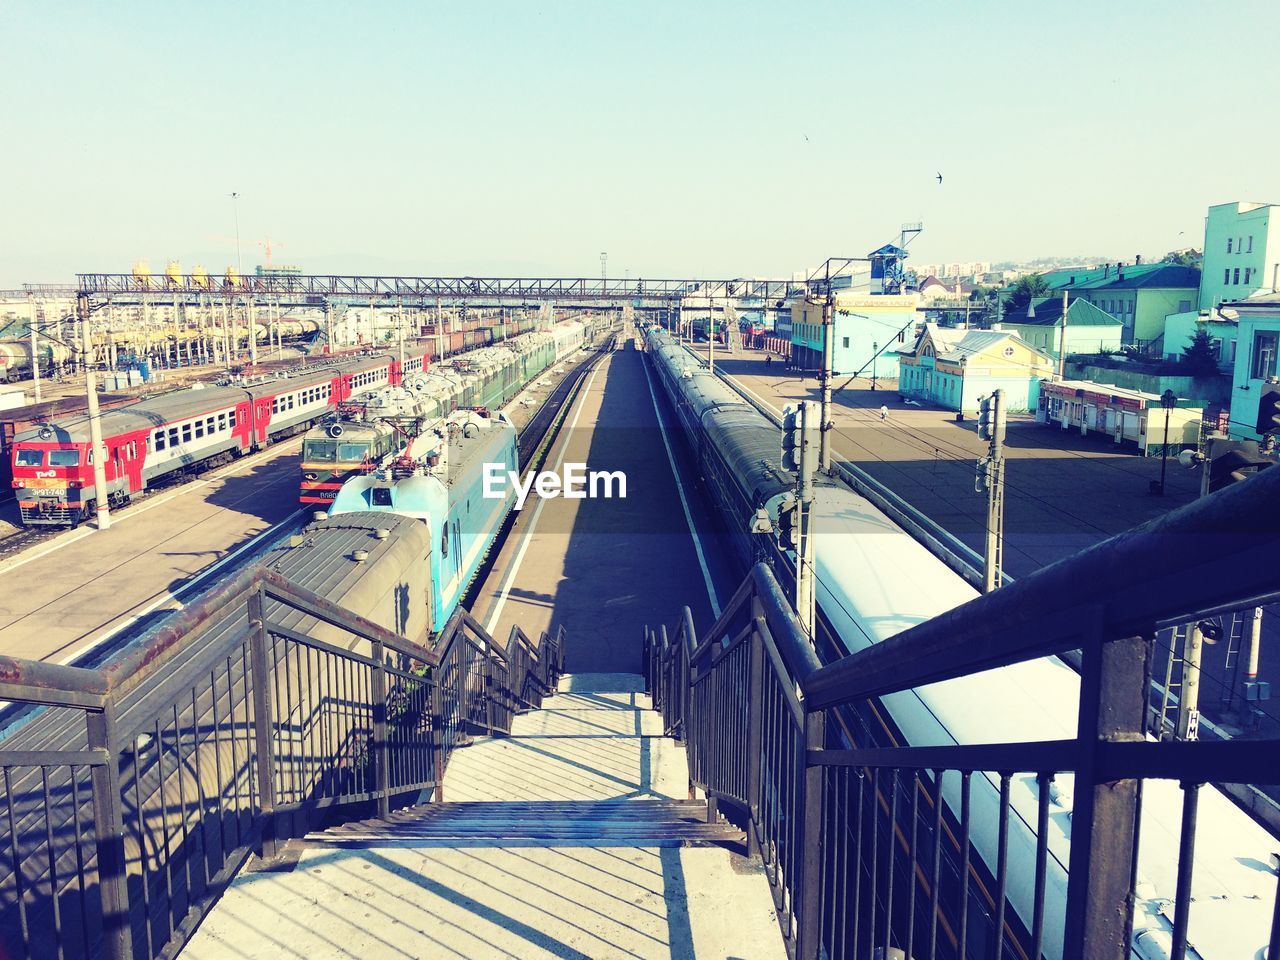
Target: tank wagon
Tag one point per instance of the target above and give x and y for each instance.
(873, 581)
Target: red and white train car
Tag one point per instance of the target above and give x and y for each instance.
(164, 435)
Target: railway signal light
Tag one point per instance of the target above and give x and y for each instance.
(1269, 409)
(991, 418)
(788, 522)
(792, 436)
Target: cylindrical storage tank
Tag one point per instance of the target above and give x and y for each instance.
(15, 355)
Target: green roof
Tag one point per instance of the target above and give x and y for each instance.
(1048, 312)
(1129, 277)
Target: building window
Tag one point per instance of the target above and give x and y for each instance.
(1264, 355)
(1226, 276)
(1236, 277)
(1228, 244)
(846, 343)
(1250, 250)
(1247, 272)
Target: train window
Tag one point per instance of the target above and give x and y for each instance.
(352, 451)
(222, 422)
(323, 450)
(186, 433)
(290, 401)
(173, 436)
(158, 440)
(208, 424)
(199, 428)
(444, 542)
(381, 496)
(30, 458)
(64, 458)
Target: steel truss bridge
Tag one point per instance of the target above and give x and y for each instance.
(318, 288)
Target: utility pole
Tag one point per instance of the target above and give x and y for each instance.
(799, 453)
(97, 449)
(1062, 341)
(711, 336)
(35, 347)
(1189, 694)
(604, 263)
(400, 333)
(235, 208)
(828, 347)
(991, 427)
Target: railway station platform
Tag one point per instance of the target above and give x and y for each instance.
(572, 838)
(605, 568)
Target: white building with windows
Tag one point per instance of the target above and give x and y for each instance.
(1241, 252)
(1256, 359)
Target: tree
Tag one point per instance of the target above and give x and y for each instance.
(1199, 358)
(1026, 289)
(1184, 258)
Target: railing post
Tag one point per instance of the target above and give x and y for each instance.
(809, 922)
(1099, 914)
(108, 819)
(378, 755)
(755, 725)
(488, 691)
(437, 732)
(259, 680)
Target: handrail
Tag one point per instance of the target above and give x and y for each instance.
(751, 702)
(200, 752)
(1171, 568)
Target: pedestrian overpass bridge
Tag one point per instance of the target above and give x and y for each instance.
(286, 793)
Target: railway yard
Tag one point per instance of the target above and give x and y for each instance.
(590, 586)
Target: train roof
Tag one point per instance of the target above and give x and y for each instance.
(143, 415)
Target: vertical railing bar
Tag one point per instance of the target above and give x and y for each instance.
(235, 755)
(1042, 861)
(263, 720)
(182, 801)
(53, 863)
(965, 783)
(857, 859)
(109, 839)
(1002, 864)
(80, 878)
(217, 768)
(1186, 866)
(16, 853)
(379, 752)
(142, 851)
(912, 881)
(891, 851)
(936, 875)
(200, 797)
(164, 828)
(873, 873)
(287, 735)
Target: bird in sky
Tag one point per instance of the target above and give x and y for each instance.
(939, 177)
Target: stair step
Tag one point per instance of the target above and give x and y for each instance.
(642, 823)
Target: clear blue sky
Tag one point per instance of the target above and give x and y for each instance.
(683, 138)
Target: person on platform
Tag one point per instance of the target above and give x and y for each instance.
(884, 412)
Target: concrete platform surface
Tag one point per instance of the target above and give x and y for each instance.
(579, 878)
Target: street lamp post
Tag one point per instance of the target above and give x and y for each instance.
(875, 352)
(1168, 400)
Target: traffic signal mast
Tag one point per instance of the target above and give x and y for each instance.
(800, 442)
(990, 477)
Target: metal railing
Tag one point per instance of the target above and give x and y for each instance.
(136, 792)
(874, 845)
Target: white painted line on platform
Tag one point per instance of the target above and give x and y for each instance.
(74, 536)
(537, 512)
(684, 502)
